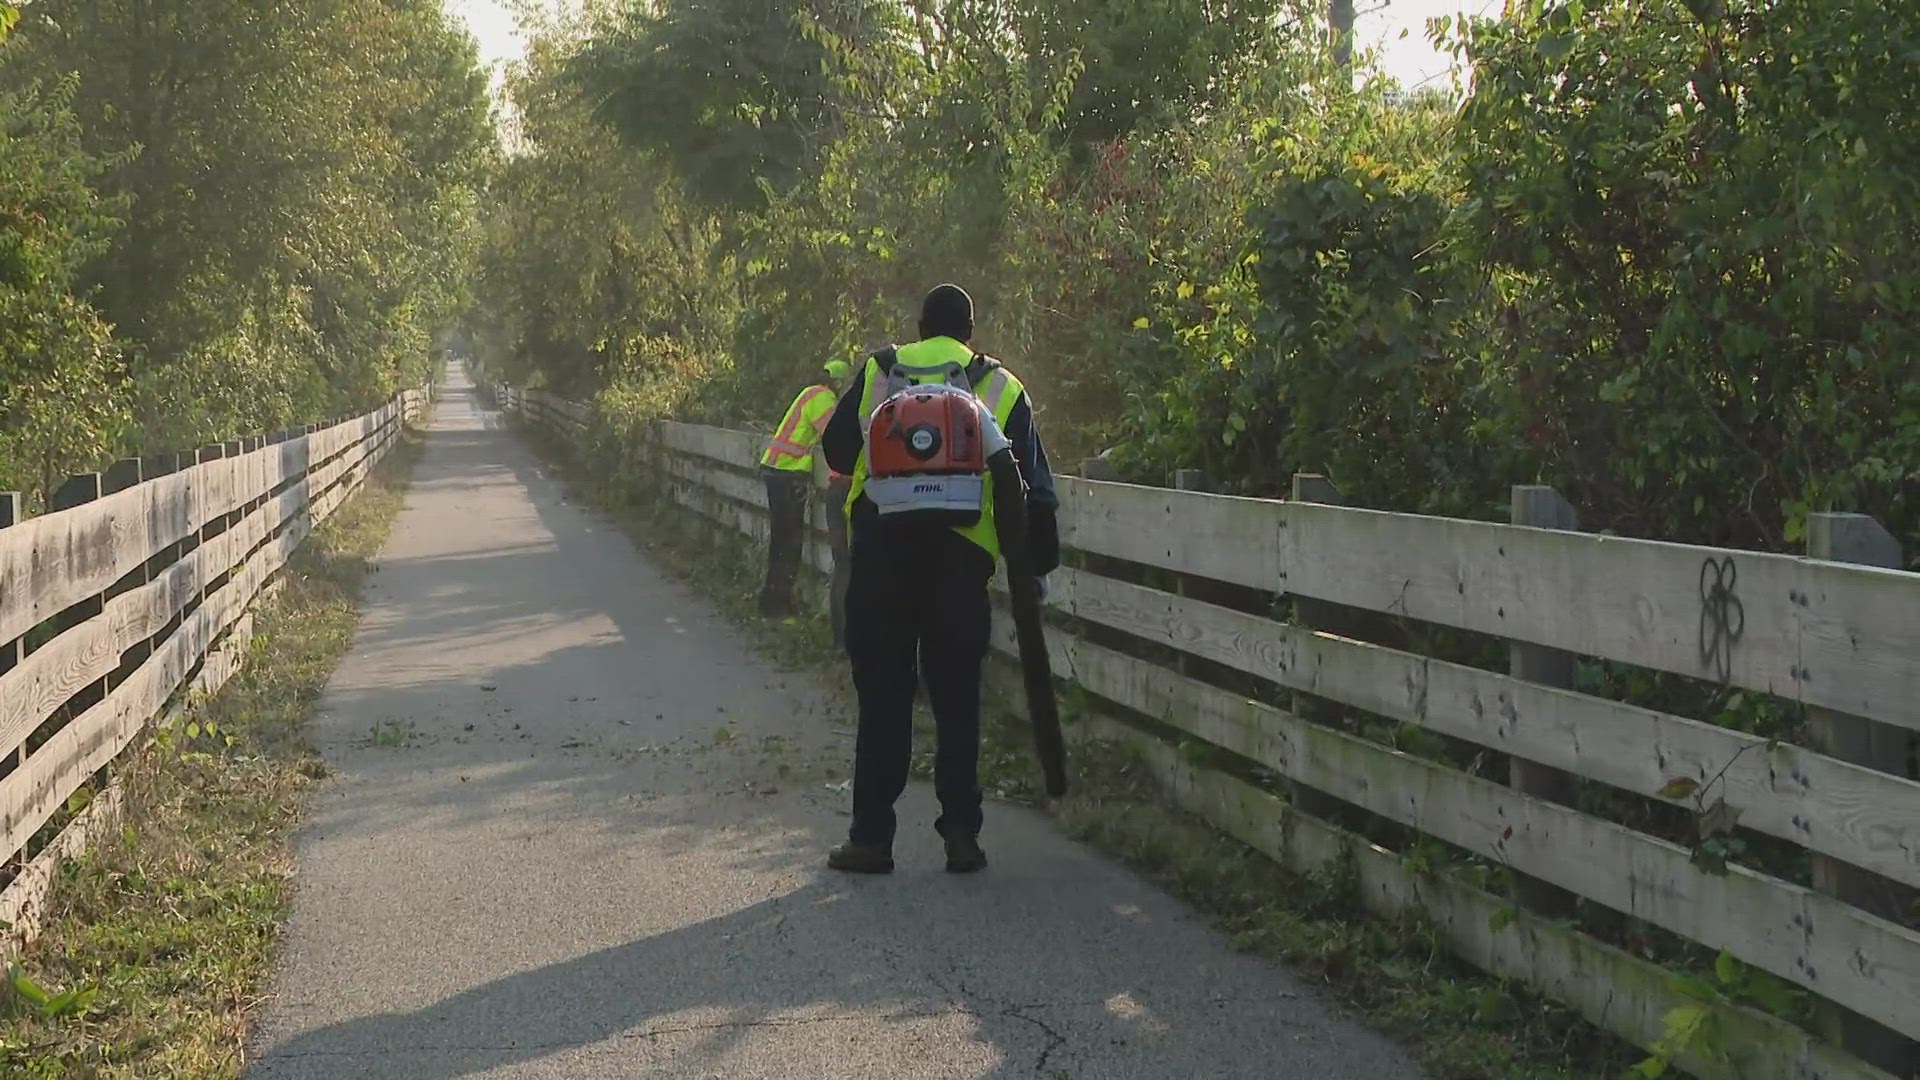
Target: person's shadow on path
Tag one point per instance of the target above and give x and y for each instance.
(817, 955)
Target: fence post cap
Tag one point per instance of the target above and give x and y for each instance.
(1852, 538)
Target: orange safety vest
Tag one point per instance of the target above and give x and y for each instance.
(791, 448)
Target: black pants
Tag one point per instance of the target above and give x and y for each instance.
(917, 611)
(787, 508)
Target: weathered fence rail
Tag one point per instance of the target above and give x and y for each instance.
(133, 590)
(1835, 641)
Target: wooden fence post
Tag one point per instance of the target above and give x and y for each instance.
(119, 476)
(1188, 480)
(257, 496)
(212, 526)
(1095, 468)
(1542, 507)
(79, 489)
(1316, 615)
(236, 447)
(152, 467)
(9, 516)
(10, 656)
(1858, 538)
(300, 471)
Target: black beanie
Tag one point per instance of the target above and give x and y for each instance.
(947, 312)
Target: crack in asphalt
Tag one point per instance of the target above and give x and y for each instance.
(970, 998)
(1055, 1040)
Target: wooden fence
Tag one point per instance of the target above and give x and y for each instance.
(129, 595)
(1606, 816)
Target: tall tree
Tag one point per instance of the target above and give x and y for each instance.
(1141, 57)
(299, 181)
(737, 93)
(60, 407)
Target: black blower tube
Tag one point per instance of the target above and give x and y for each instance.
(1010, 522)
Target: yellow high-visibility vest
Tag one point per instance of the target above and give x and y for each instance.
(925, 361)
(791, 448)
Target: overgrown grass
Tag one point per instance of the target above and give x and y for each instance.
(1463, 1024)
(173, 916)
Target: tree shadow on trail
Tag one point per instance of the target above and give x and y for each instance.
(684, 998)
(532, 686)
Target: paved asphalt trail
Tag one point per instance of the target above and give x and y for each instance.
(576, 829)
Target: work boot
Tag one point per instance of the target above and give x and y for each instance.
(964, 855)
(857, 858)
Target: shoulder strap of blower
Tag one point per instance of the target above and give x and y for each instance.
(977, 369)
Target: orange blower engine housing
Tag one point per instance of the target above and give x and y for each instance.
(927, 456)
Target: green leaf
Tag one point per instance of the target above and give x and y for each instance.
(1142, 323)
(1678, 788)
(1694, 987)
(1770, 993)
(26, 988)
(1502, 918)
(1185, 290)
(1726, 968)
(1683, 1023)
(1651, 1067)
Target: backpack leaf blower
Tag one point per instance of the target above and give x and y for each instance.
(932, 449)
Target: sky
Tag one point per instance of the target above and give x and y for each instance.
(1396, 27)
(1411, 58)
(496, 28)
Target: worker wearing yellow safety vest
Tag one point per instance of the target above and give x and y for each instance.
(917, 603)
(786, 467)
